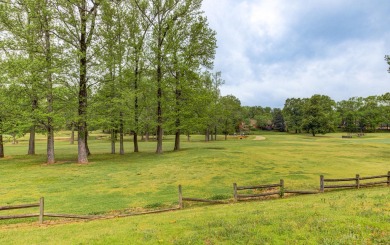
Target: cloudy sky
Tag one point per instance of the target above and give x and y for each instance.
(271, 50)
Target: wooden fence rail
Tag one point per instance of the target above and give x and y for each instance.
(238, 197)
(358, 182)
(192, 199)
(40, 215)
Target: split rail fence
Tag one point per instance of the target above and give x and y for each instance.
(265, 190)
(358, 182)
(40, 215)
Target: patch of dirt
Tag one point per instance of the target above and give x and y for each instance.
(259, 138)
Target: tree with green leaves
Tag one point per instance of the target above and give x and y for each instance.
(137, 63)
(319, 115)
(293, 114)
(75, 25)
(384, 101)
(163, 17)
(28, 47)
(110, 53)
(278, 122)
(229, 111)
(349, 113)
(191, 46)
(264, 117)
(370, 113)
(21, 26)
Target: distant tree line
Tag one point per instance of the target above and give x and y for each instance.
(320, 114)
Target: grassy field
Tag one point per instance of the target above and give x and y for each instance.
(113, 184)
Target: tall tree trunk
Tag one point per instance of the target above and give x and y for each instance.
(136, 106)
(215, 133)
(1, 146)
(49, 95)
(121, 143)
(147, 136)
(177, 140)
(82, 110)
(159, 132)
(50, 142)
(31, 141)
(121, 134)
(72, 135)
(159, 74)
(113, 136)
(86, 140)
(177, 123)
(135, 141)
(82, 147)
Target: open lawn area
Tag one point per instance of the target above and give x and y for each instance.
(114, 184)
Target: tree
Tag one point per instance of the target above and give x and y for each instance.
(349, 113)
(293, 114)
(76, 22)
(29, 62)
(278, 120)
(319, 115)
(138, 29)
(110, 53)
(191, 46)
(21, 25)
(264, 117)
(370, 114)
(163, 17)
(229, 108)
(384, 101)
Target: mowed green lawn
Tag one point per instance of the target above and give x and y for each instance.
(113, 184)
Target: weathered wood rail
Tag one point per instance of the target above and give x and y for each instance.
(40, 215)
(358, 182)
(192, 199)
(238, 197)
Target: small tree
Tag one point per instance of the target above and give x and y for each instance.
(319, 115)
(293, 114)
(278, 120)
(230, 113)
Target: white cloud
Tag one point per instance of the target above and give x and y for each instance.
(270, 50)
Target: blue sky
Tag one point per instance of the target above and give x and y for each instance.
(271, 50)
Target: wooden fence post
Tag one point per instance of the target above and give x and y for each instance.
(180, 198)
(281, 188)
(357, 181)
(388, 178)
(235, 191)
(322, 184)
(41, 209)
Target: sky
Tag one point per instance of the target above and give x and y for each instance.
(271, 50)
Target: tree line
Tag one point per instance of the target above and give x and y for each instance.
(320, 114)
(138, 66)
